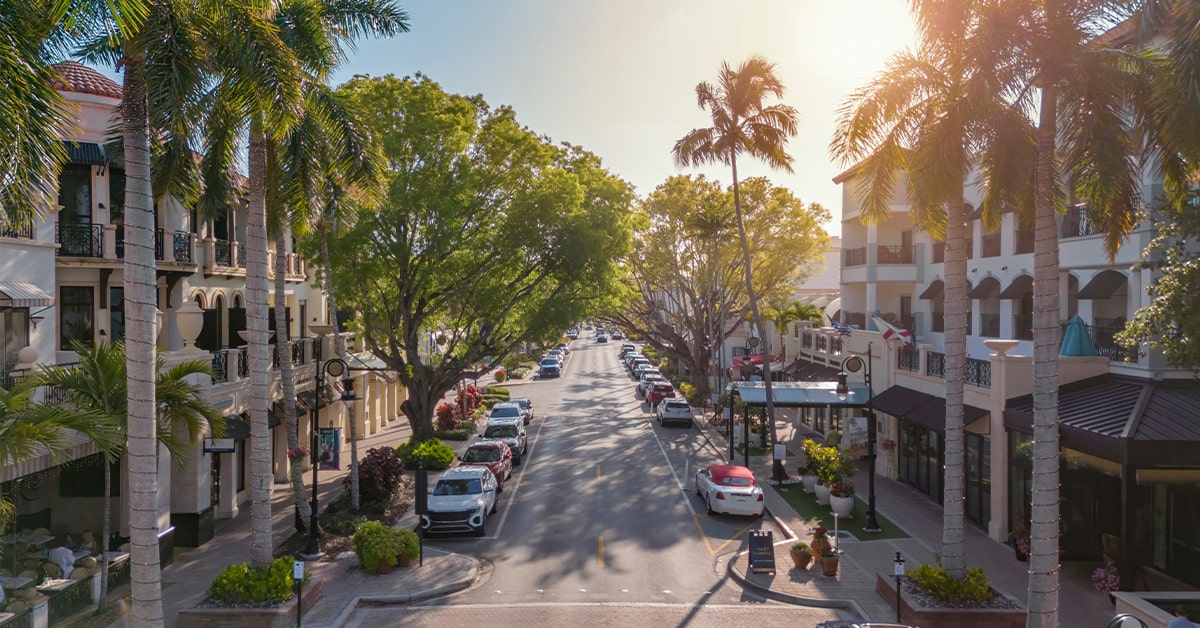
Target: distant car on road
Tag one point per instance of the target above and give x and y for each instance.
(601, 337)
(461, 501)
(617, 335)
(550, 367)
(674, 411)
(729, 489)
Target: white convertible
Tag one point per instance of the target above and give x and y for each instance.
(729, 489)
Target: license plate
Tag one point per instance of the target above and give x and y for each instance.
(741, 498)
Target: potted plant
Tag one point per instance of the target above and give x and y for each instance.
(829, 563)
(828, 472)
(841, 497)
(377, 546)
(1019, 538)
(808, 470)
(820, 541)
(801, 554)
(889, 446)
(410, 548)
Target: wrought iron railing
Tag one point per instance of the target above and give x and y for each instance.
(243, 364)
(79, 240)
(978, 373)
(223, 251)
(935, 364)
(894, 254)
(297, 353)
(908, 359)
(855, 257)
(181, 245)
(159, 249)
(1075, 223)
(241, 258)
(21, 231)
(218, 366)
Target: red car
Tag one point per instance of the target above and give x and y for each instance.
(660, 391)
(493, 454)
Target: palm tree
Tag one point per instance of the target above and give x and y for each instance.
(1088, 94)
(96, 389)
(793, 312)
(743, 124)
(32, 112)
(919, 123)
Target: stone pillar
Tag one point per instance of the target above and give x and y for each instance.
(998, 438)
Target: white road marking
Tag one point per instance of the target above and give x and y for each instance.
(682, 488)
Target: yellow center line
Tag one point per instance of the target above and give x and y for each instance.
(703, 536)
(597, 469)
(735, 538)
(602, 552)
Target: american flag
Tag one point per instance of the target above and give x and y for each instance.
(842, 330)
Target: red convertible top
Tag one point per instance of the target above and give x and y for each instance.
(731, 475)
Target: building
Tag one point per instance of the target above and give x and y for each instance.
(61, 280)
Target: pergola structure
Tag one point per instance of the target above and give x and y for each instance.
(836, 394)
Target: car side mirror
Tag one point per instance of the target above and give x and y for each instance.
(458, 458)
(488, 490)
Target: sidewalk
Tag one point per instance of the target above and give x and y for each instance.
(921, 518)
(185, 582)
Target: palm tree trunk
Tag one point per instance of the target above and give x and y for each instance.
(758, 320)
(957, 306)
(1044, 511)
(340, 347)
(140, 339)
(261, 542)
(105, 531)
(287, 381)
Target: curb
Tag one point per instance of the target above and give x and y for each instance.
(795, 600)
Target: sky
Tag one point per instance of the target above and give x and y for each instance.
(618, 77)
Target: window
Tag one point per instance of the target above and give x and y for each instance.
(14, 330)
(116, 195)
(75, 194)
(116, 314)
(77, 316)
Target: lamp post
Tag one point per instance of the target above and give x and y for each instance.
(853, 364)
(333, 367)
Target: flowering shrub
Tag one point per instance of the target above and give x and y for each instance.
(298, 453)
(449, 416)
(842, 488)
(379, 475)
(470, 398)
(1106, 579)
(1022, 543)
(501, 376)
(887, 444)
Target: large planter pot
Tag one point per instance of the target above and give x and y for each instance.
(829, 565)
(808, 482)
(403, 560)
(801, 559)
(843, 506)
(383, 567)
(822, 493)
(264, 617)
(946, 617)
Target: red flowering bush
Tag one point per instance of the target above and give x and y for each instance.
(470, 398)
(379, 476)
(448, 417)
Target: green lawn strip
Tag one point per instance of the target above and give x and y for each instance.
(805, 505)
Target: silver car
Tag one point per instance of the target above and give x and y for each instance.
(674, 410)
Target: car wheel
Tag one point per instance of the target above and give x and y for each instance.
(482, 529)
(698, 494)
(516, 461)
(499, 487)
(708, 505)
(494, 506)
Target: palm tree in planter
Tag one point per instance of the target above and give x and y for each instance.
(96, 389)
(743, 124)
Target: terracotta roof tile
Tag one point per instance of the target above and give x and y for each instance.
(84, 80)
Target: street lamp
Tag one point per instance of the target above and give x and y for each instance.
(854, 364)
(335, 368)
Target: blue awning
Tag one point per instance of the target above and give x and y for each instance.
(801, 394)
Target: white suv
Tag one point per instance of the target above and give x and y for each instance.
(511, 431)
(461, 501)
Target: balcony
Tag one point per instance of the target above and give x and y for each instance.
(854, 257)
(939, 251)
(10, 231)
(908, 359)
(989, 325)
(975, 372)
(894, 254)
(85, 239)
(990, 245)
(1103, 332)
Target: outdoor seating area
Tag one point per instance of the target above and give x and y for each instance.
(55, 570)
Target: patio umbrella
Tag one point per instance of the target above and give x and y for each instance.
(1076, 340)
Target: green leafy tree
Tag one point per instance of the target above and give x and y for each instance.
(488, 235)
(743, 124)
(684, 268)
(95, 389)
(782, 315)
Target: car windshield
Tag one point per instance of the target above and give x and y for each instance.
(736, 481)
(549, 362)
(500, 431)
(466, 486)
(677, 405)
(481, 454)
(508, 411)
(525, 403)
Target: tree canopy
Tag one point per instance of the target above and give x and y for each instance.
(686, 262)
(488, 236)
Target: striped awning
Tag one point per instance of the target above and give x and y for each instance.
(75, 445)
(23, 294)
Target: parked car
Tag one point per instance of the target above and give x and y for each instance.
(636, 361)
(642, 368)
(549, 367)
(506, 410)
(648, 380)
(526, 408)
(617, 335)
(461, 501)
(557, 354)
(601, 337)
(626, 348)
(562, 346)
(492, 454)
(660, 391)
(674, 411)
(512, 432)
(729, 489)
(572, 334)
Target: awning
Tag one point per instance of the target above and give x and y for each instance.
(23, 294)
(277, 409)
(986, 287)
(86, 153)
(899, 401)
(1126, 420)
(1020, 286)
(932, 414)
(1103, 285)
(934, 290)
(75, 445)
(236, 428)
(805, 371)
(801, 394)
